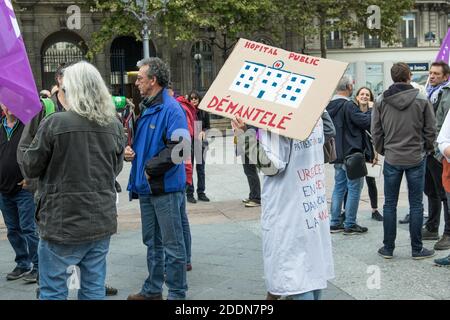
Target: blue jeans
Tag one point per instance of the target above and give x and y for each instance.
(54, 269)
(186, 230)
(18, 212)
(310, 295)
(415, 176)
(353, 188)
(162, 233)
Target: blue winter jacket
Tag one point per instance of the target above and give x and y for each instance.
(161, 136)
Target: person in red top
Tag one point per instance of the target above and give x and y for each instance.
(190, 112)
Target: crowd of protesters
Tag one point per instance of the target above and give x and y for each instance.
(58, 175)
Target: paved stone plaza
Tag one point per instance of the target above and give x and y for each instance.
(226, 245)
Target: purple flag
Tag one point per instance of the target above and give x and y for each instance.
(444, 53)
(17, 87)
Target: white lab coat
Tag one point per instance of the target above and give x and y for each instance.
(295, 224)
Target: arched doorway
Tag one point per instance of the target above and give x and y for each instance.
(125, 53)
(60, 48)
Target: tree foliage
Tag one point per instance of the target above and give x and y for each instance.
(186, 19)
(313, 18)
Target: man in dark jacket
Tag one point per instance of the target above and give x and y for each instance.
(350, 123)
(16, 203)
(77, 156)
(158, 179)
(438, 94)
(403, 130)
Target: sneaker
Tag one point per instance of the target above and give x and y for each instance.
(190, 198)
(355, 229)
(376, 215)
(423, 254)
(443, 243)
(246, 200)
(17, 273)
(31, 277)
(405, 220)
(188, 267)
(336, 229)
(110, 291)
(253, 203)
(443, 262)
(385, 253)
(202, 197)
(428, 235)
(139, 296)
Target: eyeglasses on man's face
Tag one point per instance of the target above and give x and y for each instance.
(194, 98)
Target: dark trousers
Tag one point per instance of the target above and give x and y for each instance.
(254, 184)
(415, 177)
(18, 213)
(200, 168)
(436, 195)
(373, 192)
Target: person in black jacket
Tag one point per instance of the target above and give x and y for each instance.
(350, 124)
(16, 203)
(201, 125)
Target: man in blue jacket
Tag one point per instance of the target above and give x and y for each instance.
(350, 123)
(158, 179)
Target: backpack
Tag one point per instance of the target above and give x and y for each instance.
(49, 106)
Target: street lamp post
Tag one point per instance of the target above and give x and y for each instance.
(225, 48)
(145, 19)
(198, 60)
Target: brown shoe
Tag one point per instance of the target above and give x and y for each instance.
(139, 296)
(272, 296)
(443, 243)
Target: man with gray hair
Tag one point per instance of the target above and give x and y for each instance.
(350, 123)
(159, 181)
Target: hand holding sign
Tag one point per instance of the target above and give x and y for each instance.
(273, 89)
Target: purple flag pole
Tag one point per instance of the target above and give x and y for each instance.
(444, 53)
(18, 90)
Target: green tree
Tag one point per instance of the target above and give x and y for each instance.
(320, 17)
(183, 20)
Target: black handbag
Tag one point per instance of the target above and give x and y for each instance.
(355, 165)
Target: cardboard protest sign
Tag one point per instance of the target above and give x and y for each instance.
(274, 89)
(18, 90)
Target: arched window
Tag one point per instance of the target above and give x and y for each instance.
(202, 65)
(59, 48)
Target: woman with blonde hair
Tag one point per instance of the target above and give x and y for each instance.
(77, 155)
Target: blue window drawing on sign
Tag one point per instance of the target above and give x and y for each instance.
(293, 98)
(294, 79)
(238, 83)
(264, 81)
(256, 70)
(284, 96)
(242, 76)
(298, 91)
(247, 86)
(303, 81)
(261, 94)
(247, 67)
(269, 73)
(251, 79)
(279, 75)
(274, 84)
(289, 88)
